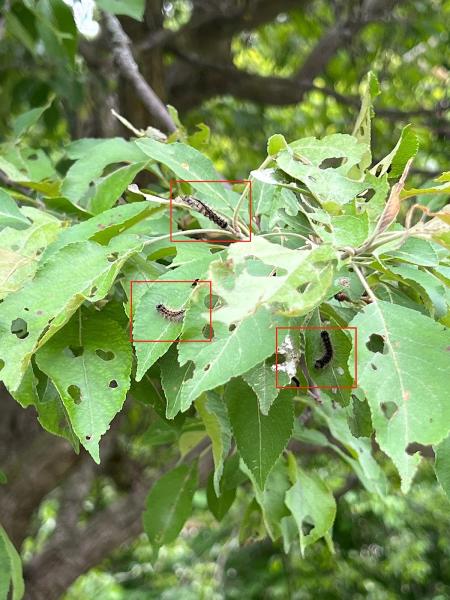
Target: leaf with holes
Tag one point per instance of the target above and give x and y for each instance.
(403, 365)
(232, 352)
(312, 504)
(269, 434)
(30, 316)
(302, 278)
(21, 251)
(148, 324)
(89, 362)
(169, 504)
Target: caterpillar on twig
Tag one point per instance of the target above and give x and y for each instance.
(170, 315)
(206, 211)
(328, 354)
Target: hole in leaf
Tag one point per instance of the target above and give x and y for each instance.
(378, 170)
(33, 157)
(206, 368)
(105, 354)
(330, 163)
(19, 328)
(113, 383)
(26, 309)
(75, 393)
(389, 408)
(76, 350)
(39, 251)
(207, 332)
(213, 299)
(93, 291)
(376, 344)
(113, 256)
(232, 327)
(369, 195)
(88, 437)
(374, 367)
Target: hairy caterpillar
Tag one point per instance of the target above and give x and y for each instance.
(170, 315)
(206, 211)
(328, 354)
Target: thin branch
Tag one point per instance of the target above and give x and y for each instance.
(121, 48)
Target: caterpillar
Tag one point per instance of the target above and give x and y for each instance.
(206, 211)
(170, 315)
(328, 354)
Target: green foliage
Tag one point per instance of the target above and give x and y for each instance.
(328, 251)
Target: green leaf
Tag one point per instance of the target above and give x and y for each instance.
(22, 123)
(220, 504)
(271, 499)
(148, 324)
(89, 362)
(189, 164)
(429, 287)
(172, 379)
(442, 464)
(169, 504)
(442, 188)
(21, 251)
(30, 316)
(307, 159)
(269, 434)
(394, 163)
(10, 569)
(131, 8)
(214, 416)
(92, 160)
(276, 144)
(311, 503)
(243, 290)
(363, 126)
(406, 383)
(104, 227)
(358, 450)
(3, 478)
(349, 230)
(109, 189)
(262, 381)
(231, 353)
(413, 250)
(10, 215)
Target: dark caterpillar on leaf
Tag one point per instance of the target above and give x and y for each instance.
(328, 354)
(206, 211)
(170, 315)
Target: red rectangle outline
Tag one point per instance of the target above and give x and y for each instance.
(227, 241)
(320, 387)
(209, 281)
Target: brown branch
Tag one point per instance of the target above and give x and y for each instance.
(121, 47)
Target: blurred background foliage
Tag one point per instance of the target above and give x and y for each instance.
(225, 73)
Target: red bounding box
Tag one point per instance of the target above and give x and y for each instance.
(193, 282)
(321, 387)
(220, 182)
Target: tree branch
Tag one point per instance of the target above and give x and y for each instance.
(121, 48)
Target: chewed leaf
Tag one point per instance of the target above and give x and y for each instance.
(403, 365)
(89, 362)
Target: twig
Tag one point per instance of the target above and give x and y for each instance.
(121, 48)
